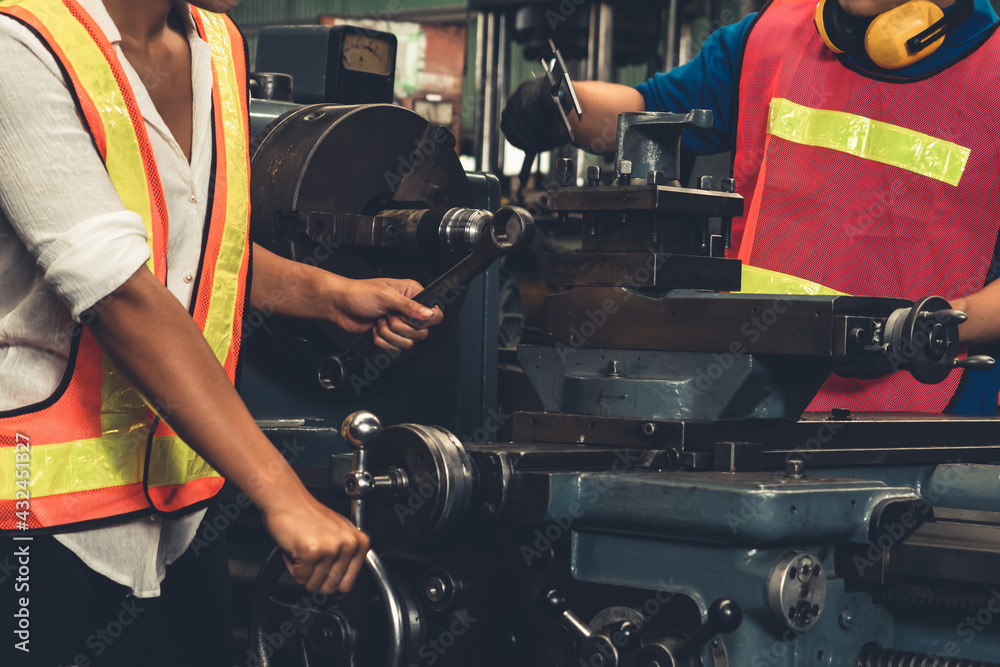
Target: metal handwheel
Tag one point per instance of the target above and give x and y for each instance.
(333, 631)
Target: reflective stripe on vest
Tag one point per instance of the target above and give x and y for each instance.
(869, 187)
(95, 450)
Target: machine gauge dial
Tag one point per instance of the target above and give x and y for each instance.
(363, 53)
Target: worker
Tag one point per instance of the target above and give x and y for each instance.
(866, 164)
(125, 268)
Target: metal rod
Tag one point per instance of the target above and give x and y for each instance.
(606, 46)
(500, 93)
(593, 42)
(489, 95)
(479, 130)
(671, 56)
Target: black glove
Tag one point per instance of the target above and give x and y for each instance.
(531, 121)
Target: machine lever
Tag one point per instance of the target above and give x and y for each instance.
(554, 606)
(511, 229)
(947, 316)
(979, 362)
(723, 616)
(606, 646)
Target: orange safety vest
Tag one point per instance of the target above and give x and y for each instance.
(869, 186)
(94, 452)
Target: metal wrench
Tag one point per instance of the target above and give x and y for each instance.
(511, 229)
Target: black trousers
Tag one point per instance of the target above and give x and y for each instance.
(79, 617)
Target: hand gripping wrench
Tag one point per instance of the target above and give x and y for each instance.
(511, 229)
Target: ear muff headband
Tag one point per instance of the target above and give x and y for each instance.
(894, 39)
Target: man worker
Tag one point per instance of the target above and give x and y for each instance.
(871, 179)
(125, 267)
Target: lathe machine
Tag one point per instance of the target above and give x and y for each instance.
(670, 504)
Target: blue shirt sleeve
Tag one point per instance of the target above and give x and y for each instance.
(706, 82)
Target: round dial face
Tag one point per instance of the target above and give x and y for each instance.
(366, 54)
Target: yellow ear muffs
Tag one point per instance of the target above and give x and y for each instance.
(841, 32)
(886, 37)
(820, 22)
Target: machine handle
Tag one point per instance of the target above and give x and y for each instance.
(979, 362)
(723, 616)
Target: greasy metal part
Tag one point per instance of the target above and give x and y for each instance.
(796, 590)
(873, 655)
(511, 230)
(651, 140)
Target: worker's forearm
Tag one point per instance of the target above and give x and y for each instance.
(983, 311)
(601, 103)
(291, 288)
(154, 342)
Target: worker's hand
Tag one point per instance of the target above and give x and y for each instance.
(531, 121)
(323, 550)
(386, 304)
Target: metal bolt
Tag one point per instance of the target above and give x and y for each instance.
(625, 172)
(794, 467)
(706, 182)
(435, 589)
(564, 171)
(593, 175)
(727, 185)
(649, 428)
(846, 618)
(614, 368)
(656, 177)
